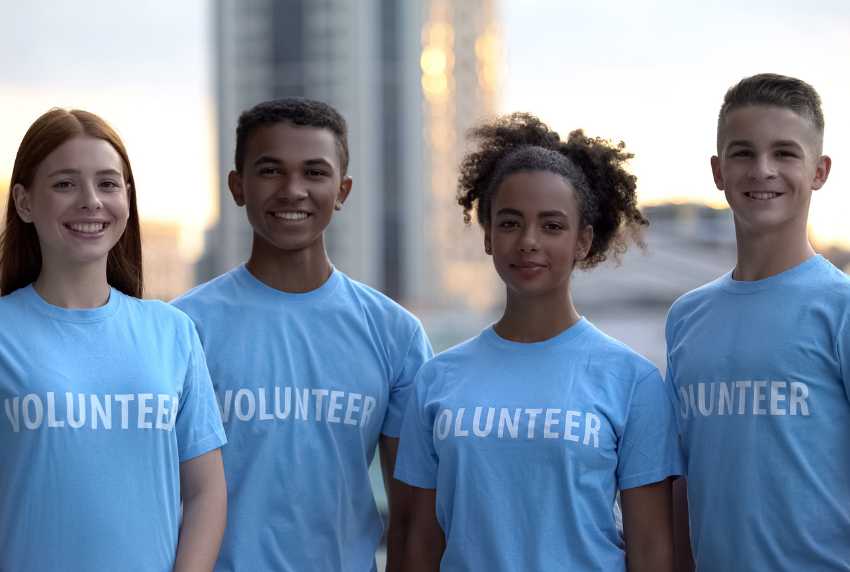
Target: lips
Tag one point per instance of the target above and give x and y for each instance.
(87, 228)
(289, 215)
(528, 269)
(762, 195)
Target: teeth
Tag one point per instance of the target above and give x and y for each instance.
(97, 227)
(763, 196)
(291, 216)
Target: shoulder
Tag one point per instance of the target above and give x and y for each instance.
(826, 276)
(13, 302)
(377, 306)
(617, 355)
(156, 313)
(219, 291)
(697, 297)
(466, 354)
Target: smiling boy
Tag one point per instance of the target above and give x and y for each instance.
(312, 369)
(759, 360)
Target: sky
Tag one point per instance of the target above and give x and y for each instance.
(145, 66)
(651, 73)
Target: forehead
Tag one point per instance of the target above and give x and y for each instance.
(765, 125)
(535, 191)
(292, 144)
(82, 153)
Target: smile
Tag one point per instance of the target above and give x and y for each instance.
(87, 228)
(762, 196)
(292, 216)
(528, 269)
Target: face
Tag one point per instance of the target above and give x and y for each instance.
(767, 168)
(78, 202)
(534, 235)
(290, 185)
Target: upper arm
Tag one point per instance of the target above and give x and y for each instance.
(681, 527)
(398, 493)
(648, 526)
(426, 539)
(203, 473)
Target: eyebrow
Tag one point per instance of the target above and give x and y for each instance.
(308, 162)
(543, 214)
(271, 160)
(78, 172)
(775, 144)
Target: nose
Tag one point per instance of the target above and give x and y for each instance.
(292, 188)
(528, 240)
(762, 167)
(89, 198)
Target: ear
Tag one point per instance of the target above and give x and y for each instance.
(344, 191)
(234, 182)
(717, 173)
(488, 242)
(22, 202)
(822, 167)
(585, 240)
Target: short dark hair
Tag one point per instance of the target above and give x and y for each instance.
(774, 90)
(596, 169)
(298, 111)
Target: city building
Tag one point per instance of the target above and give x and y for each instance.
(355, 55)
(410, 77)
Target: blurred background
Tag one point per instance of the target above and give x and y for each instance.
(411, 76)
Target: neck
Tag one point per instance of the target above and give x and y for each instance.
(766, 254)
(537, 319)
(77, 287)
(291, 271)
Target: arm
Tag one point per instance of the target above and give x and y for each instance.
(681, 529)
(398, 499)
(426, 539)
(648, 527)
(204, 495)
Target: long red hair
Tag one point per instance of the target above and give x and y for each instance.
(20, 251)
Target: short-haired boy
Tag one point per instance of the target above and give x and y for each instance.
(759, 360)
(312, 369)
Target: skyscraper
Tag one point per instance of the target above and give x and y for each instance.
(351, 55)
(463, 47)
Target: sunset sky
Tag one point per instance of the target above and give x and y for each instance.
(651, 73)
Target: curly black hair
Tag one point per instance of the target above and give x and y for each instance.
(298, 111)
(594, 167)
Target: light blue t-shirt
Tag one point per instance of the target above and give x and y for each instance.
(761, 376)
(306, 383)
(527, 445)
(99, 408)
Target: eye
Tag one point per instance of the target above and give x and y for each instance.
(553, 226)
(269, 171)
(785, 154)
(63, 185)
(315, 173)
(742, 153)
(509, 224)
(110, 185)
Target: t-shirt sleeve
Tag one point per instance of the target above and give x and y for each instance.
(670, 376)
(198, 423)
(418, 352)
(649, 445)
(844, 355)
(417, 461)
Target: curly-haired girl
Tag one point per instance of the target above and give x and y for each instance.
(517, 440)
